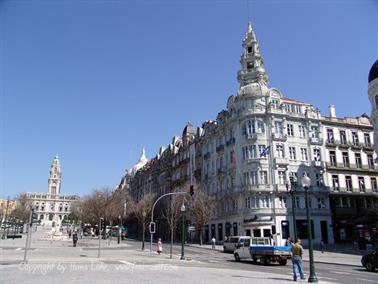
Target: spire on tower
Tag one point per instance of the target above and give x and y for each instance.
(252, 64)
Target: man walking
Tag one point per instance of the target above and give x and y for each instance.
(213, 243)
(297, 254)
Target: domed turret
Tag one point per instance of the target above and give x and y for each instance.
(373, 74)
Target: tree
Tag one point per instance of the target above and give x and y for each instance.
(22, 210)
(142, 210)
(201, 210)
(171, 214)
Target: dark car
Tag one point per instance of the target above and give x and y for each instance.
(370, 261)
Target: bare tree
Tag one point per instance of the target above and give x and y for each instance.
(22, 210)
(142, 210)
(171, 214)
(201, 210)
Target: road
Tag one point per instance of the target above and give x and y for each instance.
(55, 261)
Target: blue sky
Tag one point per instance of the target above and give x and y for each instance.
(95, 81)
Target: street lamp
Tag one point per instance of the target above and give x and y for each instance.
(306, 183)
(290, 187)
(183, 231)
(144, 218)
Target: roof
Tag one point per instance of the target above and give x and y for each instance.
(373, 73)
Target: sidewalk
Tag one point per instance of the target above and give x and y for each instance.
(338, 258)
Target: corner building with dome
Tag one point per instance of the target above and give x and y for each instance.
(252, 159)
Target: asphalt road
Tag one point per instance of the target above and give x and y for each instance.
(82, 263)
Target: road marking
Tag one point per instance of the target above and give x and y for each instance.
(368, 280)
(18, 248)
(126, 262)
(342, 272)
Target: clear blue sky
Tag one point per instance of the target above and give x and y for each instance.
(95, 81)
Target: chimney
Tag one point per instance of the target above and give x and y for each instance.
(332, 111)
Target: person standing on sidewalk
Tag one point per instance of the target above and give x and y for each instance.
(213, 243)
(159, 246)
(297, 254)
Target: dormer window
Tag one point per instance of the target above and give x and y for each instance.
(249, 49)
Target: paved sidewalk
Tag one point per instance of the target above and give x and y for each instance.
(326, 257)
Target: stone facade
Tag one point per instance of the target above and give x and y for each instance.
(373, 97)
(256, 150)
(52, 207)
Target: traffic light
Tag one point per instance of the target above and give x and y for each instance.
(152, 227)
(191, 190)
(102, 224)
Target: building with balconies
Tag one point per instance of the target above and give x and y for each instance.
(351, 176)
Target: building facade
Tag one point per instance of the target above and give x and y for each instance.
(373, 97)
(252, 159)
(52, 207)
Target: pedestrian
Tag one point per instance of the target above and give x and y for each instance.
(159, 246)
(288, 242)
(74, 239)
(69, 233)
(297, 254)
(322, 246)
(213, 243)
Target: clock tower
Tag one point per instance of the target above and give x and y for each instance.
(54, 177)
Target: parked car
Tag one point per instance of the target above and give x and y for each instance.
(230, 244)
(370, 261)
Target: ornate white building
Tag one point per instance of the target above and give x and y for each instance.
(373, 97)
(52, 207)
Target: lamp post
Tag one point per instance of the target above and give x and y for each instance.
(144, 221)
(291, 189)
(119, 229)
(306, 183)
(183, 231)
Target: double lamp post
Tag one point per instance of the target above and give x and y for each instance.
(306, 183)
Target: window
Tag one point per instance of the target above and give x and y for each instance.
(263, 177)
(367, 139)
(249, 65)
(314, 132)
(247, 202)
(332, 158)
(370, 161)
(290, 130)
(297, 203)
(278, 127)
(275, 103)
(321, 203)
(345, 159)
(255, 202)
(281, 177)
(373, 182)
(348, 183)
(330, 137)
(262, 150)
(361, 184)
(302, 131)
(376, 101)
(283, 201)
(355, 138)
(343, 139)
(253, 177)
(304, 154)
(317, 156)
(260, 126)
(249, 49)
(256, 232)
(280, 151)
(292, 154)
(335, 182)
(358, 160)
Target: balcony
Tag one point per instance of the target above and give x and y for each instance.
(318, 164)
(220, 148)
(357, 145)
(332, 143)
(251, 136)
(316, 141)
(345, 145)
(279, 137)
(368, 147)
(281, 161)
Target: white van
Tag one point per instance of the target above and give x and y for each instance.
(230, 244)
